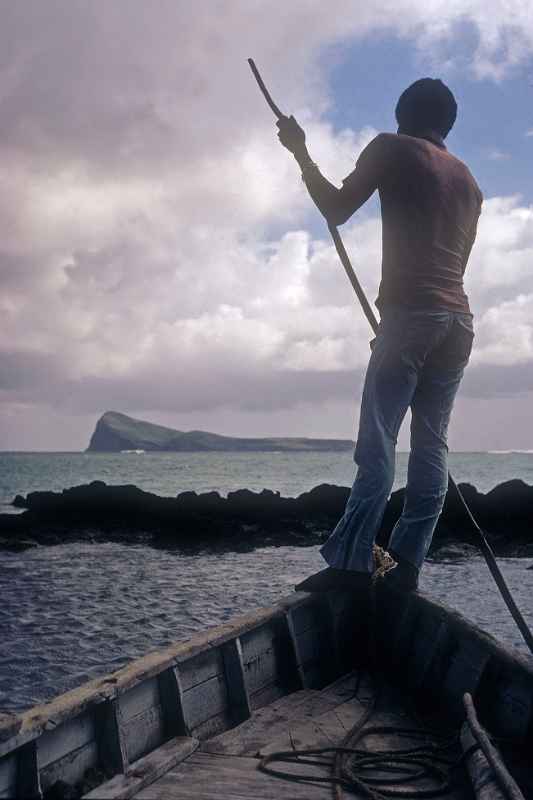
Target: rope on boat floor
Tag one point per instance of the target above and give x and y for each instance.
(382, 774)
(356, 769)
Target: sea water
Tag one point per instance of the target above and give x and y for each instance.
(71, 612)
(171, 473)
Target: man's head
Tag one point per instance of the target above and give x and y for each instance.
(426, 104)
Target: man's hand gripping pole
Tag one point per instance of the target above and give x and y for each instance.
(337, 241)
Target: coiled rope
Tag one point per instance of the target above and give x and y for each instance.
(359, 770)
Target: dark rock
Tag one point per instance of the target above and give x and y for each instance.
(247, 504)
(453, 551)
(96, 510)
(16, 545)
(325, 499)
(511, 503)
(19, 501)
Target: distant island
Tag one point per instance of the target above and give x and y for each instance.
(116, 432)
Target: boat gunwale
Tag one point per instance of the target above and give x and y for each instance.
(70, 704)
(73, 703)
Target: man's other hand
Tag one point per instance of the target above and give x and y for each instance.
(291, 135)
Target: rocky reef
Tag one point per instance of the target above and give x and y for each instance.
(248, 519)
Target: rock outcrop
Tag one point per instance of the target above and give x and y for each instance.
(117, 432)
(250, 519)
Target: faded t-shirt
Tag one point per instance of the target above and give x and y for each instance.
(430, 205)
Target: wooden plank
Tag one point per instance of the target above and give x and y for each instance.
(346, 687)
(171, 694)
(238, 695)
(146, 770)
(28, 775)
(110, 737)
(8, 776)
(201, 668)
(324, 730)
(72, 767)
(259, 640)
(314, 675)
(337, 666)
(214, 726)
(261, 672)
(430, 633)
(316, 643)
(340, 602)
(510, 705)
(56, 743)
(306, 617)
(267, 695)
(204, 776)
(205, 700)
(310, 645)
(294, 655)
(403, 638)
(464, 674)
(138, 699)
(143, 733)
(273, 722)
(484, 782)
(249, 735)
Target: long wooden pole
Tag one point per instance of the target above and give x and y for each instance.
(369, 313)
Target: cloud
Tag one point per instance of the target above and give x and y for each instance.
(498, 155)
(152, 231)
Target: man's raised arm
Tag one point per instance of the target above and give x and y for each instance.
(337, 205)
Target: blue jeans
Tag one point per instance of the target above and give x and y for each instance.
(417, 361)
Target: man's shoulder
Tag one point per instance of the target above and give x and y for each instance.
(377, 149)
(383, 140)
(467, 175)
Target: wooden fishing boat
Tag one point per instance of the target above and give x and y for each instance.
(196, 719)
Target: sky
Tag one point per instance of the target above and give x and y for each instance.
(159, 254)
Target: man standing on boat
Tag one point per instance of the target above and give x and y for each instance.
(430, 205)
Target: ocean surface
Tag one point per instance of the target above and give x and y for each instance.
(171, 473)
(74, 611)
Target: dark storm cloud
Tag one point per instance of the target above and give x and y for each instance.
(491, 381)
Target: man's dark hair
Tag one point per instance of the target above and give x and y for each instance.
(427, 103)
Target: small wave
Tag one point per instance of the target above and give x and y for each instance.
(508, 452)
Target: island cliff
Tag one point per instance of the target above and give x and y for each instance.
(115, 432)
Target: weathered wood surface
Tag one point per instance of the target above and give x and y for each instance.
(247, 738)
(73, 703)
(484, 782)
(145, 771)
(225, 767)
(275, 720)
(205, 686)
(8, 776)
(207, 776)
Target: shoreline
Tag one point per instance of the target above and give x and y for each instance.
(247, 520)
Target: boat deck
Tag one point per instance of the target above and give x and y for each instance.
(192, 721)
(226, 766)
